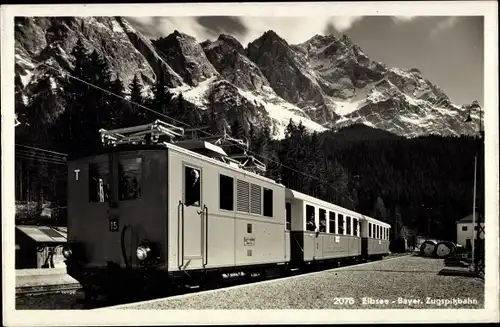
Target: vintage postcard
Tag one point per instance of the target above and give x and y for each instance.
(250, 163)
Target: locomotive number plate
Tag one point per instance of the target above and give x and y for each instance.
(114, 225)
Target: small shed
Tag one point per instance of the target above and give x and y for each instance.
(40, 246)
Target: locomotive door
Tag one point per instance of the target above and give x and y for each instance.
(192, 230)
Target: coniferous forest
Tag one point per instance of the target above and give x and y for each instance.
(425, 183)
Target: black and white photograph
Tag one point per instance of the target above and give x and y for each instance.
(228, 163)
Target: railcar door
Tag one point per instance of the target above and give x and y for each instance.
(192, 235)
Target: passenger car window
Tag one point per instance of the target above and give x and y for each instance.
(129, 177)
(348, 225)
(331, 219)
(369, 229)
(192, 186)
(310, 218)
(355, 223)
(341, 224)
(99, 182)
(322, 220)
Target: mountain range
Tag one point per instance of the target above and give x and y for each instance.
(327, 82)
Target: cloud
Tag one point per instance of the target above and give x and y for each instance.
(155, 27)
(216, 25)
(402, 19)
(344, 23)
(244, 28)
(445, 24)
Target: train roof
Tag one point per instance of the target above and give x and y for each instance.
(307, 198)
(209, 154)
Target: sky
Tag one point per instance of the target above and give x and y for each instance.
(448, 50)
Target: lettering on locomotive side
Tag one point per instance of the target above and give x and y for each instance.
(76, 173)
(249, 241)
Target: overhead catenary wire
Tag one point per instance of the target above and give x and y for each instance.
(38, 159)
(40, 149)
(41, 156)
(187, 125)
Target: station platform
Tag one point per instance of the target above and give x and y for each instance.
(30, 281)
(406, 282)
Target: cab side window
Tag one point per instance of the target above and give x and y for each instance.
(99, 182)
(192, 186)
(129, 177)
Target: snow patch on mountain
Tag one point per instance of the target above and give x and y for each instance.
(281, 113)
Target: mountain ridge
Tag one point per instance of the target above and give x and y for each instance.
(327, 82)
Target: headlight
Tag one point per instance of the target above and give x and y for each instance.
(66, 251)
(142, 251)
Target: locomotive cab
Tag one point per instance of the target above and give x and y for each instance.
(118, 209)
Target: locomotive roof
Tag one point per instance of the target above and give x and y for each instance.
(165, 146)
(304, 197)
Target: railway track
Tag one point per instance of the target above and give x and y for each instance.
(45, 289)
(68, 291)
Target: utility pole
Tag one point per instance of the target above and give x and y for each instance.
(477, 247)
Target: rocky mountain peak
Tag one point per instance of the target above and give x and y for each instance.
(232, 42)
(186, 57)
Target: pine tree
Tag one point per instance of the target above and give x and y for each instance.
(134, 113)
(41, 111)
(118, 106)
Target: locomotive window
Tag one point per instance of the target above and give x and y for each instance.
(255, 199)
(369, 229)
(192, 186)
(355, 223)
(322, 220)
(268, 202)
(99, 182)
(332, 222)
(288, 212)
(348, 227)
(129, 177)
(310, 218)
(341, 224)
(226, 190)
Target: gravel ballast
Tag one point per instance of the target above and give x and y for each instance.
(400, 283)
(383, 284)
